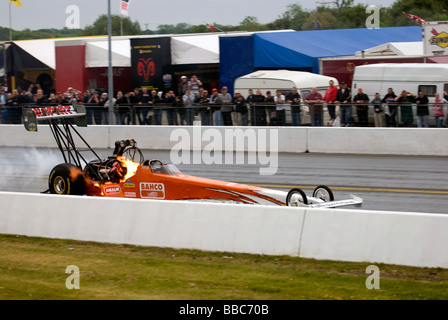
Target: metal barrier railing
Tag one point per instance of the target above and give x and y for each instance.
(258, 114)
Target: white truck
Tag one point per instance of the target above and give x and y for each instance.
(272, 80)
(431, 78)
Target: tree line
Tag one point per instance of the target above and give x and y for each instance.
(331, 14)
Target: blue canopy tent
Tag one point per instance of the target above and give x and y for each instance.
(300, 50)
(236, 58)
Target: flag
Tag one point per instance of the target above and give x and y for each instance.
(416, 18)
(211, 27)
(124, 7)
(16, 2)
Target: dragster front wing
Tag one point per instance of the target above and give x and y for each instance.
(357, 201)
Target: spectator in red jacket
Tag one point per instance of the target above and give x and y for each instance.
(330, 97)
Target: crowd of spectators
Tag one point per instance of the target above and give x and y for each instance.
(191, 102)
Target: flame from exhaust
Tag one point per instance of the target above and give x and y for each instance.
(131, 167)
(75, 172)
(92, 187)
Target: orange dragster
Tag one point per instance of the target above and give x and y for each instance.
(121, 176)
(127, 174)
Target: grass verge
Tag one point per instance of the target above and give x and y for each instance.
(34, 268)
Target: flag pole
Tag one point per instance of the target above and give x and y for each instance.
(10, 23)
(110, 69)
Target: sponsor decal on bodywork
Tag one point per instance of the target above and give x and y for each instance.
(112, 190)
(129, 185)
(149, 190)
(32, 127)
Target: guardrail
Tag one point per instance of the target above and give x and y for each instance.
(259, 114)
(414, 239)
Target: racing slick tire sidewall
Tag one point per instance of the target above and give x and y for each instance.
(61, 182)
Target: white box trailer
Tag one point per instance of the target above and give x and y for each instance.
(431, 78)
(284, 80)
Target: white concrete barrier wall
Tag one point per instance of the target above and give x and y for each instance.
(382, 141)
(414, 239)
(346, 235)
(156, 137)
(166, 137)
(174, 224)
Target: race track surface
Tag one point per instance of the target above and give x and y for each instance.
(395, 183)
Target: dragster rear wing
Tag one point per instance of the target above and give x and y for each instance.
(31, 116)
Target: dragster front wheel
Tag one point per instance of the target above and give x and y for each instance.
(67, 179)
(295, 197)
(324, 193)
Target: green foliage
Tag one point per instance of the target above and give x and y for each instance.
(251, 23)
(353, 17)
(431, 10)
(179, 28)
(119, 23)
(200, 29)
(39, 34)
(326, 20)
(293, 18)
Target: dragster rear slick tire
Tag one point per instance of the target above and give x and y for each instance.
(65, 179)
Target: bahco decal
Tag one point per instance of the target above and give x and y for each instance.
(439, 39)
(152, 190)
(146, 68)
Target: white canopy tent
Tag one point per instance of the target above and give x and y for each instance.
(394, 49)
(187, 49)
(97, 53)
(195, 49)
(42, 50)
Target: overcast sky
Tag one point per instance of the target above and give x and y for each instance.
(52, 14)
